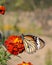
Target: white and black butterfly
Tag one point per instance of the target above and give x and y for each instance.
(32, 43)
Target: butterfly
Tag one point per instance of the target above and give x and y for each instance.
(2, 10)
(32, 43)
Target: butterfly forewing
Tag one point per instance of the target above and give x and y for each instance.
(29, 44)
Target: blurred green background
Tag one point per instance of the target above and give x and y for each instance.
(26, 16)
(29, 17)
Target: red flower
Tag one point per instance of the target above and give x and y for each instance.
(2, 10)
(14, 44)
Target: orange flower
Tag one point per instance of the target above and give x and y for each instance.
(14, 45)
(24, 63)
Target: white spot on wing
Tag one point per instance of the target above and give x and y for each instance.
(38, 43)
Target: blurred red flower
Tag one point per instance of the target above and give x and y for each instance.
(2, 10)
(14, 45)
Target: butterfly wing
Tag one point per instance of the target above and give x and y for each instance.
(40, 43)
(29, 44)
(32, 43)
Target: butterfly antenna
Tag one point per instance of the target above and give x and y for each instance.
(22, 35)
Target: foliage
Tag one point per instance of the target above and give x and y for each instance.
(4, 56)
(2, 1)
(25, 4)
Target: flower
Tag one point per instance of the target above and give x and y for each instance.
(2, 10)
(24, 63)
(14, 44)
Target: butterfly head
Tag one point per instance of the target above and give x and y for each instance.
(22, 35)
